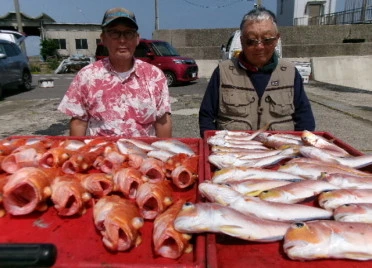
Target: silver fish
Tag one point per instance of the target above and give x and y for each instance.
(260, 208)
(325, 239)
(244, 173)
(333, 199)
(297, 191)
(254, 187)
(348, 181)
(361, 212)
(351, 161)
(216, 218)
(173, 145)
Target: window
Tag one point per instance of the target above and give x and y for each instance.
(81, 43)
(11, 50)
(61, 43)
(141, 50)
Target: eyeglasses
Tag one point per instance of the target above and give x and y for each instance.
(255, 42)
(128, 35)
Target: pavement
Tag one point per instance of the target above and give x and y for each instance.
(343, 112)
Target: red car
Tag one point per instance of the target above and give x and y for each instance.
(163, 55)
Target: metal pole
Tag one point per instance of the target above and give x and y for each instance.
(19, 23)
(259, 3)
(156, 15)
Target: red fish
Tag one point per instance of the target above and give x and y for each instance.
(24, 156)
(69, 196)
(27, 190)
(153, 169)
(3, 180)
(98, 184)
(55, 157)
(128, 180)
(120, 231)
(153, 198)
(168, 242)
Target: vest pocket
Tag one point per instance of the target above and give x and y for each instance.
(237, 103)
(280, 104)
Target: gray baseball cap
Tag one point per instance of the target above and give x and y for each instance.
(119, 13)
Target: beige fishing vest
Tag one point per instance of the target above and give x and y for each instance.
(240, 107)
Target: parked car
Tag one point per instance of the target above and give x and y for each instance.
(163, 55)
(14, 67)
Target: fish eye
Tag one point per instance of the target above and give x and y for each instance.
(299, 224)
(188, 204)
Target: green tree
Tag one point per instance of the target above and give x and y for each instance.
(49, 48)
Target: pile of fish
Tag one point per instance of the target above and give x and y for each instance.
(301, 189)
(112, 176)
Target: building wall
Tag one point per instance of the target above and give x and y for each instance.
(298, 41)
(70, 32)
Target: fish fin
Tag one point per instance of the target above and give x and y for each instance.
(253, 193)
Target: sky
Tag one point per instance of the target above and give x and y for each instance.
(172, 14)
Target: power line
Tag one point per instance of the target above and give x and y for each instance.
(216, 6)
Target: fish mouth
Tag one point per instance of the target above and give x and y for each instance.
(22, 199)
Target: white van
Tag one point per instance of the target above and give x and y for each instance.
(234, 47)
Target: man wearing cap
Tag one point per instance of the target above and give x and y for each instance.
(119, 95)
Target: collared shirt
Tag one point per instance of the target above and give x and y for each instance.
(116, 107)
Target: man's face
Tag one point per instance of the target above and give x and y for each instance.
(121, 40)
(259, 39)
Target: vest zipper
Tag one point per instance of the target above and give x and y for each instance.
(259, 113)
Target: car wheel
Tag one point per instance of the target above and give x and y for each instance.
(26, 81)
(171, 78)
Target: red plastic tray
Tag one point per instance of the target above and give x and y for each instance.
(225, 251)
(79, 244)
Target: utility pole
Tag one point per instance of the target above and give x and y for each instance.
(156, 15)
(259, 3)
(19, 23)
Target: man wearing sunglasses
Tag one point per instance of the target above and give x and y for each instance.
(256, 89)
(119, 95)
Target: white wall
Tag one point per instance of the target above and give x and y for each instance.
(350, 71)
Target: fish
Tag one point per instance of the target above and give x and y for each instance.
(126, 147)
(28, 190)
(161, 155)
(350, 161)
(168, 242)
(128, 180)
(244, 173)
(297, 191)
(110, 160)
(361, 212)
(153, 198)
(98, 184)
(55, 157)
(217, 218)
(277, 141)
(182, 169)
(333, 199)
(315, 140)
(3, 181)
(120, 231)
(24, 156)
(261, 208)
(153, 169)
(254, 187)
(328, 239)
(230, 160)
(241, 144)
(83, 159)
(174, 146)
(313, 169)
(69, 197)
(348, 181)
(138, 143)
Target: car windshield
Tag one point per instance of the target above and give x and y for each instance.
(164, 49)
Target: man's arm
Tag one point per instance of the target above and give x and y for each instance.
(303, 116)
(163, 126)
(78, 127)
(209, 107)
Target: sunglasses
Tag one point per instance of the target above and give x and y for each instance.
(128, 35)
(255, 42)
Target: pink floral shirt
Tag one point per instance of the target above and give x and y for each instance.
(116, 107)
